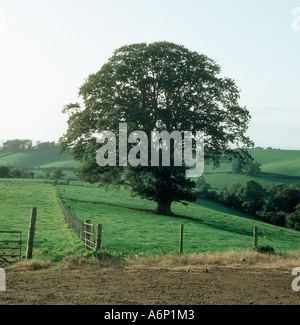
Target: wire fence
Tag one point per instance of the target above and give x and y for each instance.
(85, 230)
(75, 223)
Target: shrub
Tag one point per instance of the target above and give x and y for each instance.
(252, 197)
(265, 249)
(274, 217)
(293, 219)
(291, 196)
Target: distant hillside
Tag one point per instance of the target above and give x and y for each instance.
(37, 159)
(278, 166)
(284, 162)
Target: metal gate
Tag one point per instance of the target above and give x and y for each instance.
(10, 246)
(88, 236)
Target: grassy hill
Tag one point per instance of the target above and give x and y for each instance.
(284, 162)
(130, 227)
(278, 166)
(38, 159)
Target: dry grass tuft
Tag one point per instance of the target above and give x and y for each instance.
(247, 258)
(231, 258)
(102, 260)
(73, 262)
(31, 265)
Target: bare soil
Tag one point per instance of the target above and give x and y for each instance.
(151, 285)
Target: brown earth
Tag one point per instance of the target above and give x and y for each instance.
(234, 284)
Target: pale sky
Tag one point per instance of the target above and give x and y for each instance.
(49, 47)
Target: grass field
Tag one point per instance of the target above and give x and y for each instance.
(284, 162)
(53, 238)
(221, 180)
(130, 227)
(278, 166)
(38, 158)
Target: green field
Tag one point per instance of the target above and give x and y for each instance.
(53, 238)
(38, 158)
(129, 226)
(278, 166)
(283, 162)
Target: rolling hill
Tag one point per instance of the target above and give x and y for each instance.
(278, 166)
(129, 227)
(37, 159)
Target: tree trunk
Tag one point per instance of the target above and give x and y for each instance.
(163, 207)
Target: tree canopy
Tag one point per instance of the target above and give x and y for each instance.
(160, 86)
(17, 145)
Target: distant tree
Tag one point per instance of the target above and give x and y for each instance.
(47, 172)
(46, 145)
(229, 195)
(275, 188)
(201, 183)
(250, 168)
(15, 172)
(293, 219)
(17, 145)
(275, 204)
(31, 174)
(274, 217)
(58, 173)
(237, 167)
(252, 196)
(291, 196)
(4, 171)
(297, 185)
(204, 190)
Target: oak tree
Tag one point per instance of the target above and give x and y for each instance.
(160, 86)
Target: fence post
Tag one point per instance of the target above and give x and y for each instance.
(98, 238)
(255, 237)
(31, 233)
(181, 239)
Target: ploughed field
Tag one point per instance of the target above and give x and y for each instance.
(215, 283)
